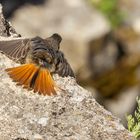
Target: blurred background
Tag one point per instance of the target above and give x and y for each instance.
(101, 40)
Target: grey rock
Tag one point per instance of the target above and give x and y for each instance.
(124, 103)
(73, 114)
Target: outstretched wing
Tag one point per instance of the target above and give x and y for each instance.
(63, 68)
(15, 49)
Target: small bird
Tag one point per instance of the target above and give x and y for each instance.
(40, 58)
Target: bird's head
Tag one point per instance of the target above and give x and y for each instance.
(54, 41)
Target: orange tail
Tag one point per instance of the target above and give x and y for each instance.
(34, 77)
(44, 83)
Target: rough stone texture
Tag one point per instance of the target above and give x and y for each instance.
(71, 115)
(74, 114)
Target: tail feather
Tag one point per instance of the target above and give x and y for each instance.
(27, 80)
(43, 84)
(31, 76)
(51, 84)
(23, 74)
(16, 72)
(41, 90)
(47, 83)
(37, 83)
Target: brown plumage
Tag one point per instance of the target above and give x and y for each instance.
(40, 58)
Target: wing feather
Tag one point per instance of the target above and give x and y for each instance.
(15, 49)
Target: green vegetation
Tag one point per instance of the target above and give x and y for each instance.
(110, 9)
(134, 121)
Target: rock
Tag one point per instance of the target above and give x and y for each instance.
(38, 137)
(43, 121)
(9, 7)
(124, 103)
(72, 114)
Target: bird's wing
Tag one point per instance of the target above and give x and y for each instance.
(15, 49)
(63, 68)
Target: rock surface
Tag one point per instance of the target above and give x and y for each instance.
(72, 115)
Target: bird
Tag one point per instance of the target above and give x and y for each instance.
(39, 58)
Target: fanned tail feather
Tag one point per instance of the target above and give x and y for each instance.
(37, 83)
(44, 83)
(31, 76)
(51, 84)
(22, 74)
